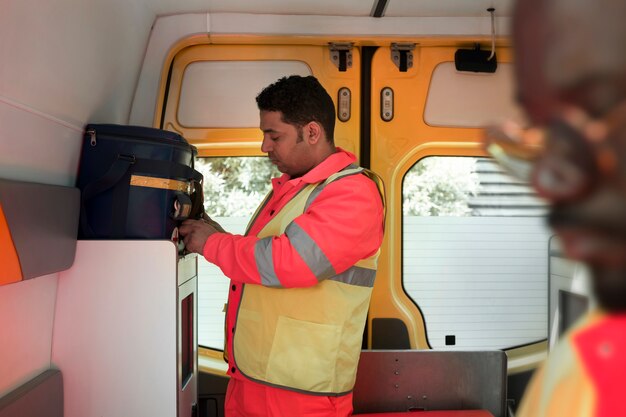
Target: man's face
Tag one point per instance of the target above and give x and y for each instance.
(285, 145)
(588, 207)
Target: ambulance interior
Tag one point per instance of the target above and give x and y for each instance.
(127, 327)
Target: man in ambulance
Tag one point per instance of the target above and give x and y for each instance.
(302, 275)
(570, 58)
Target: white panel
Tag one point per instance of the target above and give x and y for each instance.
(310, 7)
(26, 316)
(212, 90)
(365, 26)
(115, 329)
(37, 148)
(71, 61)
(467, 99)
(563, 267)
(167, 31)
(482, 279)
(447, 7)
(213, 291)
(78, 60)
(74, 60)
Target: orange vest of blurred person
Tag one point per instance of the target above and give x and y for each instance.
(585, 374)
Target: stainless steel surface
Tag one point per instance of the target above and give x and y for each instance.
(187, 389)
(187, 267)
(411, 380)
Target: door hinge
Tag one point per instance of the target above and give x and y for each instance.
(341, 55)
(402, 55)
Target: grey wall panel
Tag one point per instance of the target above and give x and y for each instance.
(40, 397)
(43, 220)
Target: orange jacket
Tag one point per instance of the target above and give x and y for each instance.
(585, 375)
(345, 221)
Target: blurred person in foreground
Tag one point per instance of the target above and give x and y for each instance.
(570, 58)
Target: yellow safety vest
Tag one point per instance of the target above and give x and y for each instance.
(303, 339)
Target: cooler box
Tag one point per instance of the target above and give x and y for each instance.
(136, 183)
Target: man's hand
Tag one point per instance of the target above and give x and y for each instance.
(196, 232)
(213, 223)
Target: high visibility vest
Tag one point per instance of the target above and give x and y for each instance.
(584, 375)
(305, 339)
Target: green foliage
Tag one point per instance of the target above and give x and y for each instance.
(435, 186)
(234, 186)
(439, 186)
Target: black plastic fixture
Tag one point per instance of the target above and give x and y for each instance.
(475, 60)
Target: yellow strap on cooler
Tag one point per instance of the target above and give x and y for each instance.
(10, 268)
(161, 183)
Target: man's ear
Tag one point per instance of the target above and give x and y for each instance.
(313, 132)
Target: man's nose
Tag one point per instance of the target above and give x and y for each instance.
(266, 145)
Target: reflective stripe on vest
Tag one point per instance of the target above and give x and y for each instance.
(304, 339)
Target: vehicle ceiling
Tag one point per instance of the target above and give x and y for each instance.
(377, 8)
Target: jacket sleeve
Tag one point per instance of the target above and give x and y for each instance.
(343, 225)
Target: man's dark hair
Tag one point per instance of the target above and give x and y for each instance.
(300, 100)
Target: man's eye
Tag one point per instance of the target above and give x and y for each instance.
(274, 138)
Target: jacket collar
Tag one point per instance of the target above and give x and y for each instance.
(334, 163)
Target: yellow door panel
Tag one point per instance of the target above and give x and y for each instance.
(398, 141)
(242, 137)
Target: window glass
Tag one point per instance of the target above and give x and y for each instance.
(475, 254)
(471, 99)
(212, 89)
(233, 188)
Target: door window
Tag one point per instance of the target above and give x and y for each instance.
(475, 254)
